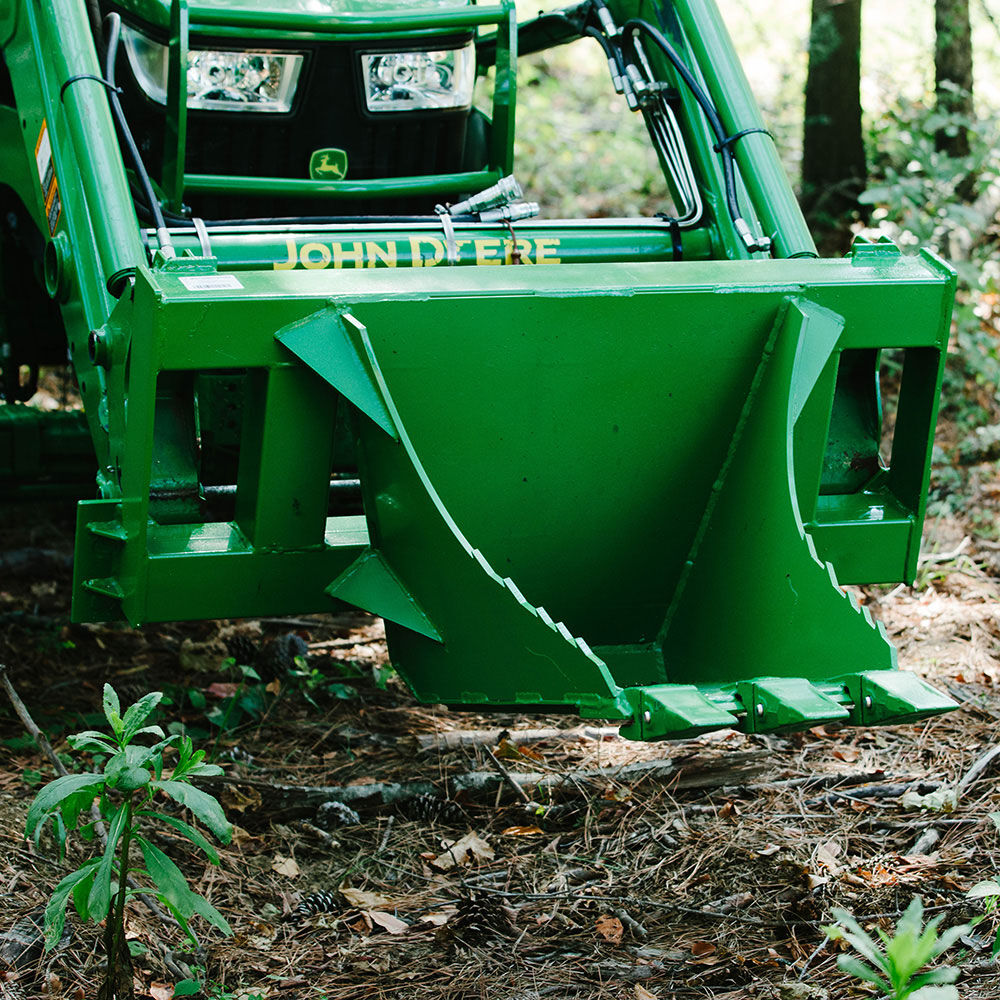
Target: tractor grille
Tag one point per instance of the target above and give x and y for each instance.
(328, 112)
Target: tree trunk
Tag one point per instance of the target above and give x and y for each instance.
(833, 152)
(953, 72)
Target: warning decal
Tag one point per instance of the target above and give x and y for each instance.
(47, 178)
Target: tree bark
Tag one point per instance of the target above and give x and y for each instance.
(953, 72)
(834, 170)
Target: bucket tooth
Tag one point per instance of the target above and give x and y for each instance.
(785, 704)
(893, 696)
(672, 711)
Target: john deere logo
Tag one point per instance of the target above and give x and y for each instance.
(328, 165)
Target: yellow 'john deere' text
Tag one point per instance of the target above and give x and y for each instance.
(422, 251)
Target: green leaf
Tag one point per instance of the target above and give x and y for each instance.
(172, 886)
(55, 910)
(54, 793)
(136, 948)
(73, 805)
(129, 769)
(99, 900)
(203, 907)
(81, 891)
(167, 877)
(186, 829)
(112, 711)
(187, 988)
(934, 993)
(995, 817)
(203, 805)
(858, 937)
(855, 967)
(343, 691)
(137, 714)
(91, 741)
(197, 699)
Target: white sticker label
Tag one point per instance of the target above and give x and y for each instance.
(209, 282)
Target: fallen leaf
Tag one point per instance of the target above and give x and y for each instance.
(826, 854)
(362, 925)
(436, 919)
(222, 689)
(363, 900)
(766, 852)
(945, 799)
(610, 928)
(274, 687)
(702, 948)
(522, 831)
(160, 991)
(820, 731)
(239, 799)
(468, 850)
(285, 866)
(641, 993)
(847, 754)
(387, 922)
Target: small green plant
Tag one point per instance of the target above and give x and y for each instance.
(132, 775)
(896, 970)
(989, 892)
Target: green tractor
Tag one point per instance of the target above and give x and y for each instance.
(330, 352)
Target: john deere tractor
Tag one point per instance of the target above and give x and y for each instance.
(330, 352)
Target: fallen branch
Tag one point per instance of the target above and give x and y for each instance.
(878, 792)
(303, 800)
(457, 739)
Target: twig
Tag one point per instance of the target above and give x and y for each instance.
(505, 774)
(815, 952)
(626, 918)
(877, 792)
(29, 723)
(979, 767)
(924, 842)
(945, 557)
(385, 835)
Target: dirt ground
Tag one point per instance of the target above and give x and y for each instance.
(676, 870)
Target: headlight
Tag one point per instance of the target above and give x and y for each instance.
(218, 81)
(414, 81)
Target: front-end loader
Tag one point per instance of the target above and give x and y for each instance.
(330, 352)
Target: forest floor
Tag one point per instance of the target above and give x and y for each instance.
(706, 868)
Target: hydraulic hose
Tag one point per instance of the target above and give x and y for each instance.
(114, 25)
(714, 122)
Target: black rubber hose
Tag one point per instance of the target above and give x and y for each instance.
(114, 25)
(714, 122)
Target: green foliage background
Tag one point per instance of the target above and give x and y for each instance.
(580, 152)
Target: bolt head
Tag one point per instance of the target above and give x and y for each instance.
(647, 715)
(760, 708)
(868, 701)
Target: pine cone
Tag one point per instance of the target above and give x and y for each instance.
(322, 901)
(333, 814)
(277, 656)
(481, 919)
(243, 648)
(432, 809)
